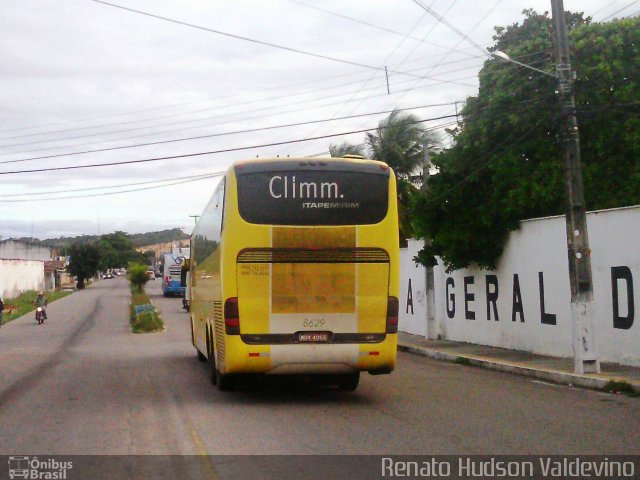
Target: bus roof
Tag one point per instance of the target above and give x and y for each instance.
(306, 163)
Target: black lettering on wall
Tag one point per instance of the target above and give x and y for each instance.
(468, 297)
(546, 318)
(517, 307)
(451, 298)
(492, 296)
(622, 273)
(409, 299)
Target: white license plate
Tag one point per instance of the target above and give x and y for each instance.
(313, 337)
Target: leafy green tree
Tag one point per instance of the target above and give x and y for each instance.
(506, 163)
(108, 256)
(149, 256)
(123, 247)
(84, 262)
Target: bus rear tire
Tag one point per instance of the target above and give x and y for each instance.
(225, 382)
(201, 356)
(213, 371)
(349, 382)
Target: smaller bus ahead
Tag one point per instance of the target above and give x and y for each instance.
(171, 268)
(295, 270)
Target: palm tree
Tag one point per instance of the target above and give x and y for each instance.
(345, 148)
(400, 141)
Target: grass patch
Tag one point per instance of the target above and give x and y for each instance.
(145, 322)
(621, 387)
(462, 361)
(23, 304)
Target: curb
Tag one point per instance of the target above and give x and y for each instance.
(555, 376)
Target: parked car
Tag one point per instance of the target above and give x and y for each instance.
(151, 274)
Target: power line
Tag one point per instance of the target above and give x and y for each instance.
(377, 27)
(367, 81)
(105, 194)
(295, 110)
(235, 103)
(288, 95)
(252, 40)
(88, 189)
(199, 137)
(465, 36)
(450, 51)
(515, 81)
(444, 21)
(605, 7)
(188, 121)
(226, 150)
(362, 145)
(618, 11)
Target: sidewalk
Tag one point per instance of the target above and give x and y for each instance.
(557, 370)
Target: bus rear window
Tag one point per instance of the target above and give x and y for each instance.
(313, 197)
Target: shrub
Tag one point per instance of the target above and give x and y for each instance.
(147, 322)
(137, 275)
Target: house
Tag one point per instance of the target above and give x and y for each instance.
(22, 267)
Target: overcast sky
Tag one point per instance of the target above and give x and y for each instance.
(79, 75)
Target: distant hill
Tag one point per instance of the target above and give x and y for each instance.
(153, 238)
(138, 239)
(59, 242)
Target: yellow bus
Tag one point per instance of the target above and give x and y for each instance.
(295, 270)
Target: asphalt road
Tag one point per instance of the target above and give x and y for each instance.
(83, 384)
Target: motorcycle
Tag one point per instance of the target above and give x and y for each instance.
(40, 315)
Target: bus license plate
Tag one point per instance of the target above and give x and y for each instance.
(313, 337)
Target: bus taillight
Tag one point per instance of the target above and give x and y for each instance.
(392, 315)
(231, 316)
(166, 279)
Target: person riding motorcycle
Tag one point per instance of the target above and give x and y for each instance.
(41, 301)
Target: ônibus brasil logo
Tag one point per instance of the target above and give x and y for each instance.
(36, 469)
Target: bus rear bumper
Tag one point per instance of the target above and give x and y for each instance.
(376, 358)
(311, 369)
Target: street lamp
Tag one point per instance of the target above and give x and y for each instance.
(506, 58)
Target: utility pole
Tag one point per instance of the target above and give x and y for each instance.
(195, 218)
(583, 337)
(430, 294)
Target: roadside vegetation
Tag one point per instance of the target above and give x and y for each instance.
(621, 387)
(142, 314)
(23, 304)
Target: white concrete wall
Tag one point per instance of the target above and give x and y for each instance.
(539, 247)
(17, 276)
(413, 303)
(15, 250)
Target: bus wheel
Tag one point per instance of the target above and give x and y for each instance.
(224, 382)
(213, 371)
(349, 382)
(201, 357)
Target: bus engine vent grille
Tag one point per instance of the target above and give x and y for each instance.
(308, 255)
(219, 328)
